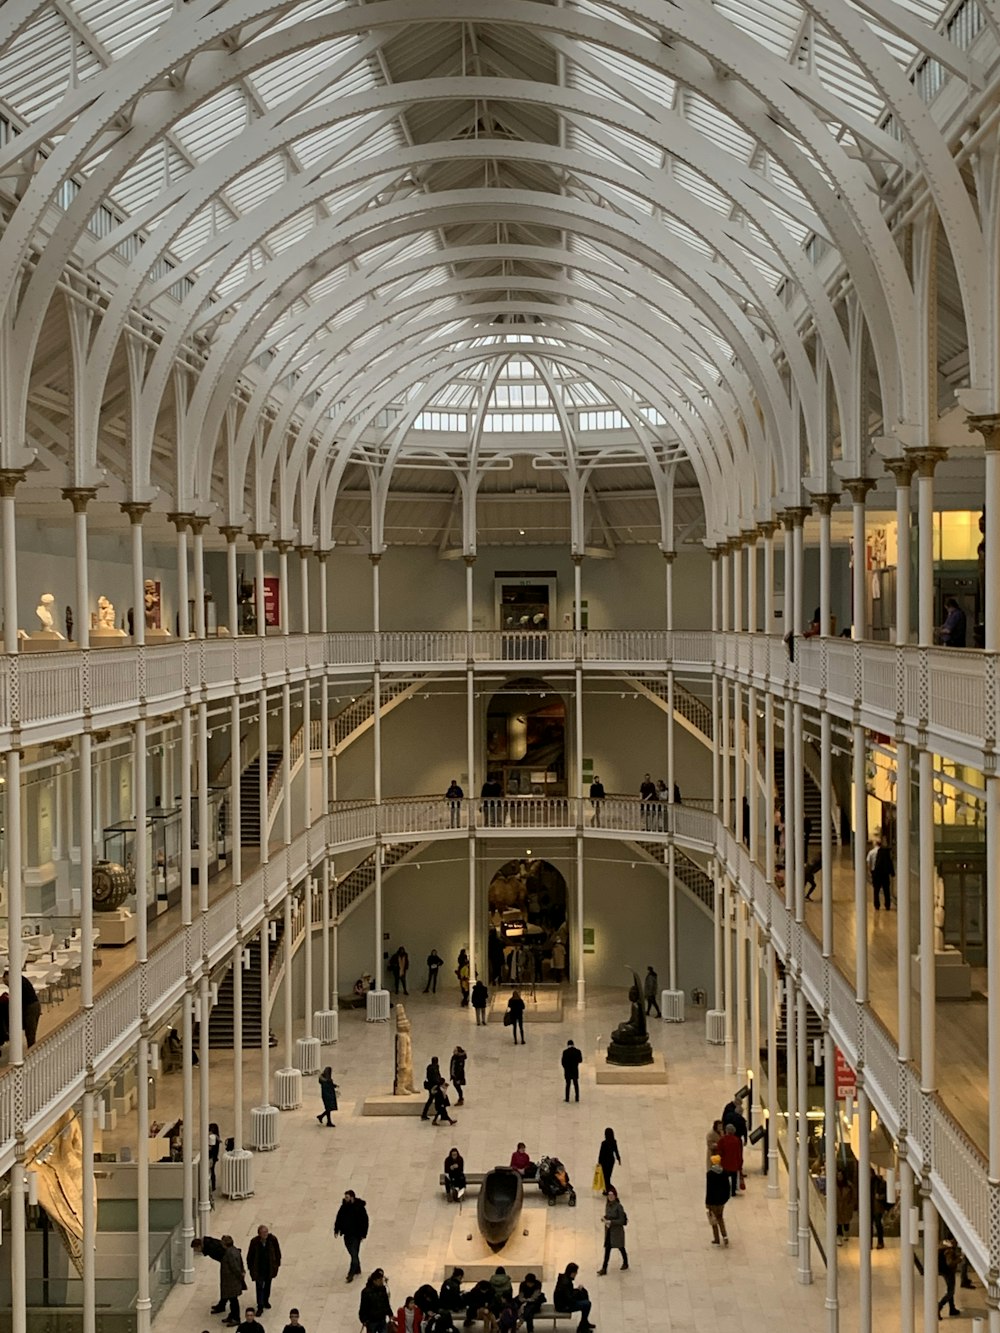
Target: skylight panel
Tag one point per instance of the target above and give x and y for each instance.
(772, 23)
(122, 25)
(718, 127)
(702, 188)
(689, 236)
(213, 124)
(619, 140)
(35, 67)
(281, 78)
(263, 179)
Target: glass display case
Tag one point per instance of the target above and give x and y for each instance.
(166, 855)
(215, 833)
(119, 848)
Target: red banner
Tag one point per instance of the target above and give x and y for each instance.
(272, 602)
(845, 1080)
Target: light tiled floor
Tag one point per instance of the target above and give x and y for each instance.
(677, 1281)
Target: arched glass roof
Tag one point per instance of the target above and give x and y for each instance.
(362, 223)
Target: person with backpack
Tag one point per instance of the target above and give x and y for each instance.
(480, 999)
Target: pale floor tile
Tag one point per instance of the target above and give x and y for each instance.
(677, 1281)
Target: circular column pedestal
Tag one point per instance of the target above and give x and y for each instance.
(715, 1027)
(236, 1170)
(377, 1006)
(672, 1005)
(288, 1087)
(326, 1025)
(264, 1128)
(307, 1055)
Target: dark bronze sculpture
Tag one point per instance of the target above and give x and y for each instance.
(629, 1043)
(499, 1205)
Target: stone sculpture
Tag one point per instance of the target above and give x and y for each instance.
(151, 604)
(629, 1043)
(498, 1207)
(44, 613)
(105, 614)
(402, 1085)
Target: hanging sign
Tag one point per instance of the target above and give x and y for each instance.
(845, 1080)
(272, 601)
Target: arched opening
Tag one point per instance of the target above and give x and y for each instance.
(526, 739)
(529, 932)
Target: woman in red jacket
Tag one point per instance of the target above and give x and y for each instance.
(408, 1317)
(730, 1151)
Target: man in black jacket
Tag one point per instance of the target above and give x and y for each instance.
(263, 1262)
(451, 1298)
(433, 1078)
(733, 1115)
(571, 1061)
(352, 1225)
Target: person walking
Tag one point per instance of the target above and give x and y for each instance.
(571, 1061)
(457, 1071)
(732, 1114)
(441, 1103)
(568, 1298)
(480, 999)
(351, 1224)
(879, 1205)
(596, 800)
(434, 964)
(882, 872)
(716, 1198)
(399, 965)
(607, 1156)
(845, 1206)
(374, 1308)
(263, 1262)
(464, 977)
(514, 1018)
(328, 1091)
(455, 796)
(432, 1077)
(650, 989)
(949, 1259)
(214, 1146)
(615, 1222)
(730, 1150)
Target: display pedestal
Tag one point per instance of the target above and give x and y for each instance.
(384, 1103)
(157, 635)
(622, 1074)
(44, 641)
(521, 1255)
(952, 974)
(117, 928)
(307, 1054)
(106, 637)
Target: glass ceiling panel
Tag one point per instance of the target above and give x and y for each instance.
(121, 25)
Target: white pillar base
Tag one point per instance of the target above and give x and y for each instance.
(581, 994)
(288, 1087)
(715, 1027)
(377, 1006)
(326, 1025)
(307, 1055)
(236, 1170)
(264, 1128)
(672, 1005)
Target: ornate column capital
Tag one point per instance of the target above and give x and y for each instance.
(669, 556)
(282, 545)
(470, 560)
(902, 468)
(749, 537)
(198, 524)
(304, 550)
(799, 514)
(926, 460)
(858, 488)
(768, 528)
(10, 479)
(988, 426)
(824, 501)
(577, 558)
(230, 531)
(180, 521)
(136, 511)
(258, 540)
(78, 496)
(375, 557)
(323, 554)
(786, 519)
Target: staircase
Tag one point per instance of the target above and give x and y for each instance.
(687, 872)
(359, 714)
(693, 712)
(250, 796)
(356, 884)
(814, 1024)
(812, 802)
(220, 1025)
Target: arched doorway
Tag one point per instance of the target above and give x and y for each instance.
(527, 903)
(526, 739)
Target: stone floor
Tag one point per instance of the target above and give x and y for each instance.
(677, 1281)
